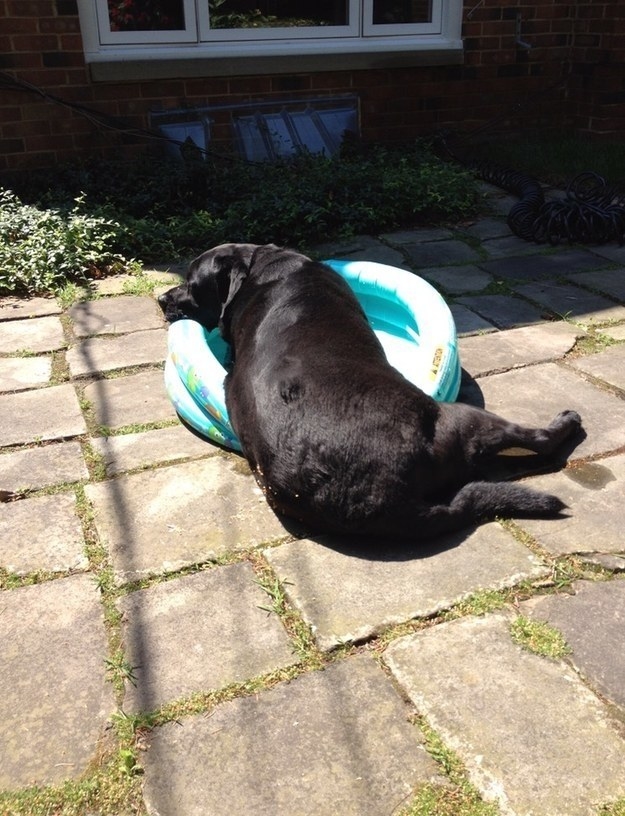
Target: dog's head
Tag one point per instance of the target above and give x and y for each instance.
(213, 279)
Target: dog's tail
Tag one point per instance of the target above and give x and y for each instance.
(483, 501)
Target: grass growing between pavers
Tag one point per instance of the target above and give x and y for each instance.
(539, 638)
(459, 798)
(113, 789)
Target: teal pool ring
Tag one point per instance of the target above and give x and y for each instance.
(409, 317)
(194, 381)
(412, 322)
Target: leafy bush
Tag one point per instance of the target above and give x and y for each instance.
(42, 249)
(157, 210)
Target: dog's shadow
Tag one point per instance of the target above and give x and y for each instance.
(368, 548)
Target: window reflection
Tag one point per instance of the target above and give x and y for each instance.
(277, 13)
(393, 12)
(146, 15)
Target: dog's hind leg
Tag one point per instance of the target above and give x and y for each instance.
(484, 434)
(483, 501)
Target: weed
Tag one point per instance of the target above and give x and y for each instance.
(140, 285)
(614, 808)
(481, 603)
(299, 631)
(69, 293)
(120, 670)
(440, 800)
(458, 799)
(538, 637)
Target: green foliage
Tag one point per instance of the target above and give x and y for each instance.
(85, 220)
(40, 250)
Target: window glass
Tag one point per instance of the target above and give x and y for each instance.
(277, 13)
(146, 15)
(394, 12)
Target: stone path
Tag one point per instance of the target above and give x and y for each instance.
(264, 674)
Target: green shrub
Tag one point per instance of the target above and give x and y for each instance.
(40, 250)
(160, 210)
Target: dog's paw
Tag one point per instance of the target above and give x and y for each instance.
(570, 420)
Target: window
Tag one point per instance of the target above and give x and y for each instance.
(123, 30)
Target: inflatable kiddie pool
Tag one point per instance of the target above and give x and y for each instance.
(409, 317)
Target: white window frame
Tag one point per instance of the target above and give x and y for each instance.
(366, 44)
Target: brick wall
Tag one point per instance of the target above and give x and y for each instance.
(572, 75)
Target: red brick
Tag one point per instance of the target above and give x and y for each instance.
(59, 25)
(21, 129)
(249, 85)
(31, 8)
(71, 42)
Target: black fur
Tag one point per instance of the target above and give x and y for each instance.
(335, 436)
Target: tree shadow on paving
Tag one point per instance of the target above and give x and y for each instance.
(115, 485)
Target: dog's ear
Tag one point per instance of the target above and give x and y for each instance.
(231, 278)
(236, 278)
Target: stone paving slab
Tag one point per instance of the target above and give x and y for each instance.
(36, 335)
(510, 245)
(198, 633)
(347, 596)
(417, 236)
(135, 399)
(614, 563)
(502, 310)
(591, 621)
(594, 493)
(13, 308)
(467, 322)
(608, 281)
(573, 303)
(607, 365)
(96, 354)
(360, 248)
(113, 285)
(485, 354)
(55, 700)
(615, 332)
(137, 450)
(457, 279)
(532, 736)
(21, 373)
(43, 466)
(329, 742)
(115, 315)
(534, 395)
(163, 520)
(611, 252)
(41, 533)
(441, 253)
(543, 267)
(46, 413)
(486, 228)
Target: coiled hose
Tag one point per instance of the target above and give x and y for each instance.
(591, 211)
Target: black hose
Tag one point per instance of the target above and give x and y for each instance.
(592, 211)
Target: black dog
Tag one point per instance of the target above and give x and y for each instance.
(335, 436)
